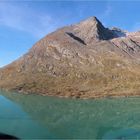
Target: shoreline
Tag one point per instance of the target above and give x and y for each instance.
(79, 96)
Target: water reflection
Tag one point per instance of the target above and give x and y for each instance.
(69, 118)
(128, 133)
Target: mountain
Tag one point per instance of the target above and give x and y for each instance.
(84, 60)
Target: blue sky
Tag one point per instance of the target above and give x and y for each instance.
(22, 23)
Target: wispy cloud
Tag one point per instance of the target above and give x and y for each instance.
(135, 27)
(107, 11)
(26, 19)
(22, 17)
(106, 14)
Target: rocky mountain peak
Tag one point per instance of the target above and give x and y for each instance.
(92, 29)
(91, 21)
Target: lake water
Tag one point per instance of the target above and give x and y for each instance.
(34, 116)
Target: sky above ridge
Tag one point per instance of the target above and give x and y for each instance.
(22, 23)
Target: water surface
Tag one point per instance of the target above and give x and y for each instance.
(34, 116)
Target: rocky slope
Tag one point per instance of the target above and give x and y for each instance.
(84, 60)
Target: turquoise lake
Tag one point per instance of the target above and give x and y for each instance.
(38, 117)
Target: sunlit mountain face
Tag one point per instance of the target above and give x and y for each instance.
(84, 60)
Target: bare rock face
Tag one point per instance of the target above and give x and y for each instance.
(84, 60)
(129, 44)
(92, 29)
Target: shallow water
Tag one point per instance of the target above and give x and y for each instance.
(34, 116)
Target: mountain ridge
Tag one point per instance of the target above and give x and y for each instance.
(84, 60)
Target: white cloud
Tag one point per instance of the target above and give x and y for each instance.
(23, 18)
